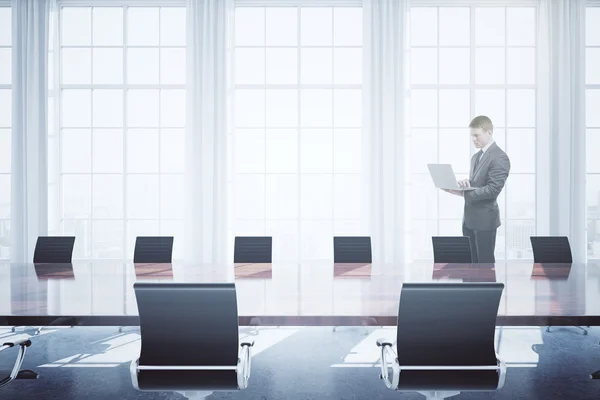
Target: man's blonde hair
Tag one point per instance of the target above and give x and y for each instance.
(482, 122)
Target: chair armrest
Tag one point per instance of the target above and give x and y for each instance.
(23, 342)
(244, 364)
(501, 371)
(383, 342)
(388, 356)
(16, 340)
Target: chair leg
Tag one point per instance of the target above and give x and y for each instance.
(585, 331)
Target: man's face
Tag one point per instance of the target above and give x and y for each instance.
(480, 137)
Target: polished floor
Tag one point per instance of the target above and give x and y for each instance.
(302, 364)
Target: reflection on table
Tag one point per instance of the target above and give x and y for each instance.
(288, 293)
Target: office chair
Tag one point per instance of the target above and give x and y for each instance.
(52, 250)
(451, 249)
(153, 249)
(253, 249)
(552, 250)
(462, 357)
(352, 250)
(200, 350)
(23, 342)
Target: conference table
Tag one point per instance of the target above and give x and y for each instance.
(312, 293)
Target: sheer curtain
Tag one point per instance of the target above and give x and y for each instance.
(561, 99)
(208, 23)
(384, 114)
(29, 183)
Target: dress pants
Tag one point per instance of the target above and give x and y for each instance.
(483, 244)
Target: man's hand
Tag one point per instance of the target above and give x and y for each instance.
(454, 192)
(464, 183)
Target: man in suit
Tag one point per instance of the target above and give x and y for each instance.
(490, 167)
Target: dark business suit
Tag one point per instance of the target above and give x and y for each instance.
(481, 219)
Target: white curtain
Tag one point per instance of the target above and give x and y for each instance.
(384, 86)
(29, 180)
(208, 23)
(561, 116)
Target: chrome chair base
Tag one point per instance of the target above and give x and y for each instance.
(585, 331)
(438, 395)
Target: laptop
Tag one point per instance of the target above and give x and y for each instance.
(444, 178)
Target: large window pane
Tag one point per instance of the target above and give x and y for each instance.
(317, 196)
(489, 26)
(5, 108)
(316, 151)
(282, 196)
(107, 148)
(76, 108)
(5, 66)
(249, 26)
(108, 66)
(107, 196)
(142, 196)
(282, 66)
(142, 26)
(249, 152)
(253, 61)
(142, 151)
(423, 66)
(316, 26)
(282, 151)
(281, 26)
(5, 26)
(520, 23)
(77, 66)
(77, 196)
(316, 66)
(520, 193)
(172, 26)
(454, 26)
(76, 26)
(454, 66)
(423, 26)
(107, 108)
(76, 150)
(107, 26)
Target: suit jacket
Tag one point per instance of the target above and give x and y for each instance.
(481, 208)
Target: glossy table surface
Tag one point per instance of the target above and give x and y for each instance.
(295, 294)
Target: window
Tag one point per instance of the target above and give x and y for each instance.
(120, 126)
(5, 127)
(296, 137)
(468, 61)
(592, 123)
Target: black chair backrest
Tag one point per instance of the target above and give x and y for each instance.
(188, 324)
(54, 249)
(153, 249)
(253, 249)
(197, 321)
(551, 249)
(448, 324)
(352, 249)
(451, 249)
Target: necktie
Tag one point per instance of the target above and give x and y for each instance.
(479, 155)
